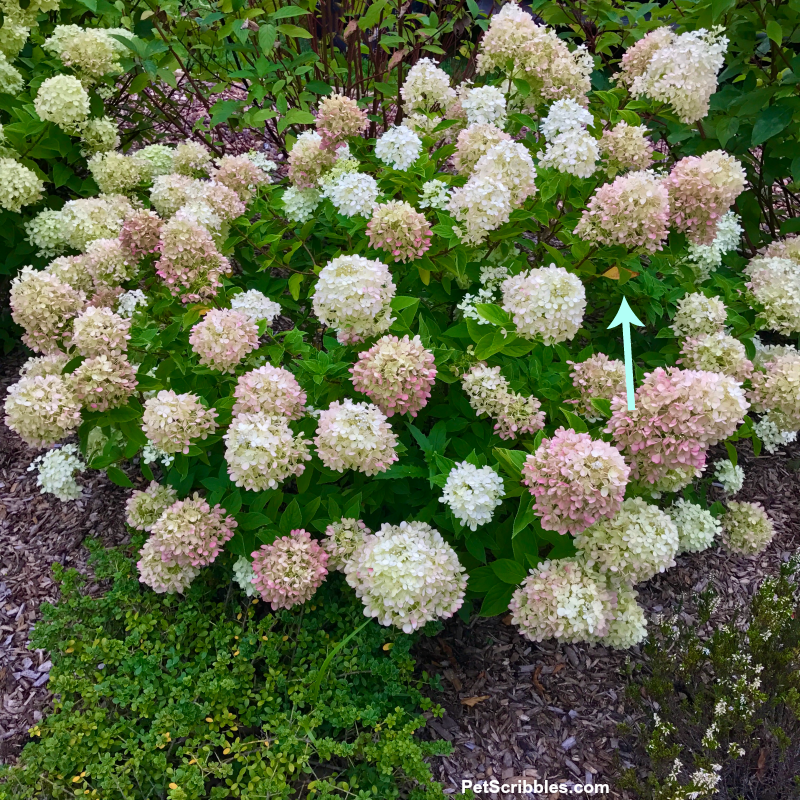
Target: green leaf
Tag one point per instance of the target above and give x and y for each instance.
(401, 471)
(266, 38)
(295, 116)
(732, 454)
(770, 123)
(509, 571)
(494, 314)
(223, 110)
(319, 87)
(295, 282)
(372, 15)
(292, 518)
(574, 421)
(774, 31)
(497, 600)
(719, 7)
(511, 461)
(288, 11)
(525, 513)
(492, 343)
(601, 406)
(482, 580)
(726, 129)
(116, 475)
(295, 31)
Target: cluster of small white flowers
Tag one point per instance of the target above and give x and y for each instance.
(353, 193)
(574, 152)
(42, 409)
(407, 575)
(163, 576)
(484, 105)
(11, 81)
(256, 305)
(143, 509)
(116, 173)
(729, 475)
(63, 100)
(775, 286)
(130, 301)
(705, 258)
(191, 158)
(355, 436)
(511, 164)
(265, 164)
(399, 147)
(154, 455)
(223, 338)
(243, 574)
(354, 294)
(747, 528)
(300, 204)
(472, 493)
(342, 539)
(51, 364)
(629, 625)
(563, 599)
(698, 314)
(435, 194)
(771, 435)
(56, 472)
(99, 331)
(171, 420)
(262, 451)
(636, 544)
(156, 159)
(19, 186)
(483, 204)
(697, 528)
(546, 302)
(565, 115)
(716, 352)
(490, 278)
(426, 88)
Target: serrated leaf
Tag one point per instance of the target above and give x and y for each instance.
(509, 571)
(574, 421)
(117, 476)
(494, 314)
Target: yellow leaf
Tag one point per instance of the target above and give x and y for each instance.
(226, 751)
(388, 646)
(425, 275)
(69, 650)
(76, 778)
(613, 273)
(173, 786)
(236, 653)
(473, 701)
(209, 719)
(285, 639)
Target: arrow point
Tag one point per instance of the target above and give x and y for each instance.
(625, 314)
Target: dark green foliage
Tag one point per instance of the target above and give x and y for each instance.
(211, 696)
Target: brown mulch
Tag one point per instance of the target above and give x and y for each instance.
(515, 708)
(37, 531)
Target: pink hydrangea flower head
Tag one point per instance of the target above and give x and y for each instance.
(338, 118)
(99, 331)
(576, 480)
(189, 263)
(269, 390)
(162, 576)
(171, 420)
(632, 211)
(42, 409)
(309, 160)
(400, 230)
(191, 532)
(290, 570)
(599, 377)
(141, 233)
(223, 200)
(240, 174)
(776, 390)
(701, 190)
(396, 374)
(223, 338)
(104, 382)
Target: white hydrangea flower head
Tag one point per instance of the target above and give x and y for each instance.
(171, 192)
(343, 166)
(171, 420)
(484, 105)
(63, 100)
(262, 452)
(355, 436)
(435, 194)
(353, 193)
(73, 271)
(223, 338)
(90, 218)
(99, 331)
(144, 508)
(626, 147)
(265, 164)
(43, 409)
(300, 204)
(706, 258)
(155, 159)
(89, 51)
(731, 477)
(11, 81)
(191, 159)
(421, 123)
(474, 142)
(698, 314)
(636, 544)
(746, 528)
(256, 305)
(163, 576)
(716, 352)
(407, 575)
(99, 135)
(37, 366)
(152, 454)
(697, 527)
(271, 390)
(771, 435)
(109, 262)
(19, 185)
(56, 471)
(426, 87)
(546, 302)
(243, 574)
(353, 295)
(512, 165)
(482, 205)
(309, 160)
(102, 382)
(472, 493)
(574, 152)
(629, 626)
(565, 115)
(342, 539)
(116, 173)
(775, 286)
(47, 233)
(562, 599)
(399, 147)
(130, 301)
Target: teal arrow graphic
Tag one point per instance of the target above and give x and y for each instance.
(626, 318)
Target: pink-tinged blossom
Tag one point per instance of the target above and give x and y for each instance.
(576, 480)
(269, 390)
(679, 414)
(143, 508)
(223, 338)
(777, 390)
(490, 395)
(189, 263)
(355, 436)
(716, 352)
(400, 230)
(396, 374)
(309, 160)
(626, 147)
(191, 532)
(239, 174)
(99, 331)
(600, 378)
(701, 190)
(104, 382)
(774, 286)
(171, 420)
(43, 409)
(632, 211)
(342, 539)
(141, 233)
(290, 570)
(564, 600)
(109, 263)
(636, 58)
(338, 118)
(163, 576)
(473, 143)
